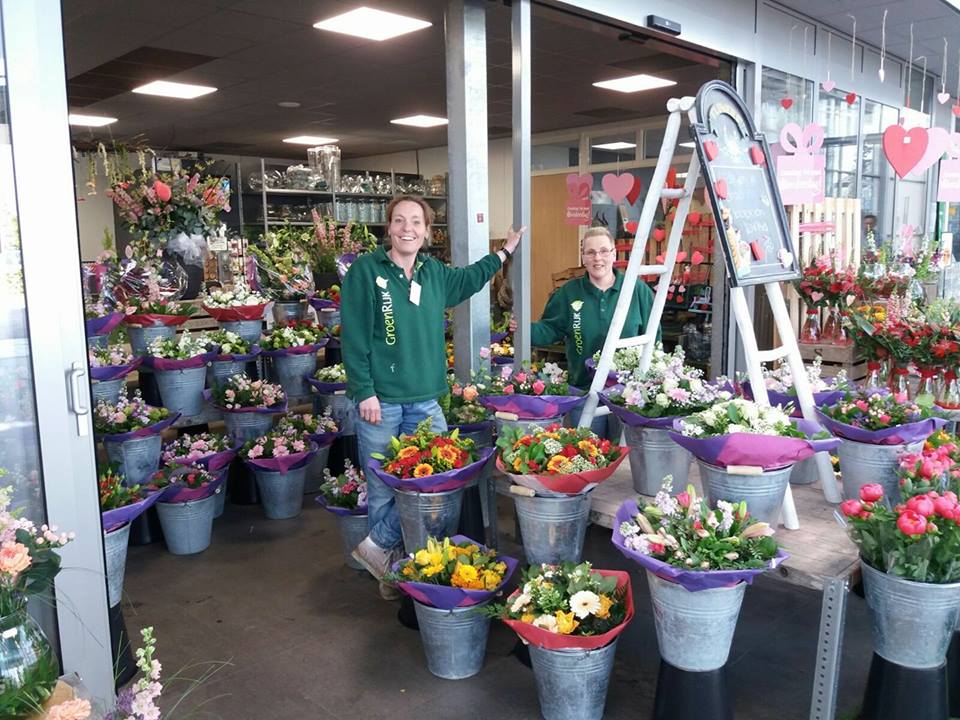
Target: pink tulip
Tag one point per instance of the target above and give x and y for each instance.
(683, 499)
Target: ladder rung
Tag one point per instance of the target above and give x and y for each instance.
(779, 353)
(633, 341)
(601, 410)
(651, 270)
(671, 193)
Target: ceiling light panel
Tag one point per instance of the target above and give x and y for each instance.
(309, 140)
(372, 24)
(615, 146)
(421, 121)
(181, 91)
(89, 120)
(634, 83)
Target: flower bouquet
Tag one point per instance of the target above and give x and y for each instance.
(334, 247)
(530, 393)
(329, 380)
(187, 506)
(345, 496)
(180, 367)
(625, 361)
(462, 409)
(935, 467)
(283, 265)
(152, 313)
(699, 559)
(183, 483)
(234, 353)
(501, 353)
(326, 299)
(98, 319)
(247, 405)
(130, 430)
(28, 565)
(279, 461)
(207, 450)
(781, 390)
(321, 430)
(109, 365)
(570, 613)
(238, 304)
(292, 350)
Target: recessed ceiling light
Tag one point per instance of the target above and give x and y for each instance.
(686, 145)
(372, 24)
(166, 88)
(634, 83)
(288, 104)
(310, 140)
(89, 120)
(615, 146)
(423, 121)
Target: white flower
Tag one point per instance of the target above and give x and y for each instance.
(662, 400)
(521, 602)
(584, 603)
(547, 622)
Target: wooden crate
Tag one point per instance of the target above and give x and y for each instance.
(835, 358)
(562, 277)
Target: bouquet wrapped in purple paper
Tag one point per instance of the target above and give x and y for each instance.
(280, 450)
(329, 380)
(130, 418)
(529, 393)
(231, 347)
(296, 338)
(322, 430)
(103, 324)
(185, 483)
(346, 493)
(111, 362)
(880, 418)
(120, 504)
(179, 353)
(781, 390)
(241, 394)
(205, 449)
(453, 573)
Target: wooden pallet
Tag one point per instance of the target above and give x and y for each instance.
(561, 278)
(835, 358)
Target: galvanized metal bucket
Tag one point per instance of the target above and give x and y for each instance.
(912, 622)
(281, 494)
(525, 425)
(342, 410)
(424, 515)
(484, 479)
(328, 317)
(653, 456)
(222, 370)
(553, 528)
(290, 371)
(863, 463)
(140, 337)
(244, 426)
(314, 478)
(353, 529)
(106, 391)
(115, 550)
(805, 472)
(572, 684)
(187, 526)
(763, 493)
(182, 390)
(99, 341)
(220, 500)
(694, 629)
(137, 458)
(454, 641)
(249, 330)
(284, 312)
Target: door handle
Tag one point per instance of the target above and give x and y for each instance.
(77, 375)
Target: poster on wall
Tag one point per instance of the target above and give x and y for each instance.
(742, 190)
(948, 189)
(801, 166)
(578, 207)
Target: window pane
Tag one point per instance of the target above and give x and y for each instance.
(841, 125)
(613, 148)
(877, 177)
(551, 156)
(776, 86)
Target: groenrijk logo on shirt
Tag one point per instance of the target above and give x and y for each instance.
(389, 324)
(577, 325)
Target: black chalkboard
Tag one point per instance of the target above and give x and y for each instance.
(743, 192)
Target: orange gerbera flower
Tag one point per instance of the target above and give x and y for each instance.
(422, 470)
(558, 464)
(407, 452)
(448, 454)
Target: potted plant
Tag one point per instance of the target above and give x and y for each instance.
(345, 495)
(292, 350)
(238, 310)
(450, 581)
(130, 431)
(232, 356)
(333, 248)
(746, 452)
(148, 319)
(429, 470)
(180, 367)
(109, 366)
(553, 470)
(28, 564)
(647, 403)
(875, 428)
(571, 615)
(186, 506)
(321, 430)
(279, 462)
(528, 396)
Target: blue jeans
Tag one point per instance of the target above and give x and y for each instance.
(395, 420)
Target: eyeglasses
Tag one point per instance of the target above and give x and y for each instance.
(603, 252)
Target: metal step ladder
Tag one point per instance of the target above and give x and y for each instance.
(788, 351)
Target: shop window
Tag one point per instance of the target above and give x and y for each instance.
(620, 147)
(556, 155)
(841, 126)
(877, 179)
(653, 139)
(775, 87)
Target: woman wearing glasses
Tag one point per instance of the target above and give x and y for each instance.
(579, 312)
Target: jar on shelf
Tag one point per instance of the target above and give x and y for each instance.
(364, 210)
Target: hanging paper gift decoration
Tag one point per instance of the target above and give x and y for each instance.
(948, 189)
(578, 209)
(800, 170)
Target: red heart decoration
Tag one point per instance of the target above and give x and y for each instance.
(696, 258)
(786, 103)
(634, 193)
(711, 149)
(672, 178)
(659, 234)
(955, 110)
(720, 187)
(693, 218)
(679, 298)
(756, 155)
(681, 256)
(756, 250)
(851, 98)
(669, 296)
(631, 227)
(904, 148)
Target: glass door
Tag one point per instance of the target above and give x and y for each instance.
(46, 440)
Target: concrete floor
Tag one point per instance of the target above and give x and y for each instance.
(306, 637)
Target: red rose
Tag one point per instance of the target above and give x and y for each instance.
(871, 492)
(162, 190)
(851, 508)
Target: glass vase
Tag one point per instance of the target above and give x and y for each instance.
(900, 381)
(928, 382)
(875, 376)
(810, 332)
(949, 395)
(831, 325)
(28, 666)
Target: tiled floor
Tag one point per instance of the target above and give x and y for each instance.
(307, 637)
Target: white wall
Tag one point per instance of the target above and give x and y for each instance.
(94, 211)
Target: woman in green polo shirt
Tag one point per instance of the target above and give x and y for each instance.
(579, 312)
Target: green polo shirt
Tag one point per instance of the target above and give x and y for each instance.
(392, 347)
(579, 314)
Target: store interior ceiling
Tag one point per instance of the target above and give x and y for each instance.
(259, 53)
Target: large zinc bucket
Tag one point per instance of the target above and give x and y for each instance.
(291, 370)
(572, 684)
(763, 493)
(694, 629)
(424, 515)
(285, 312)
(525, 425)
(99, 341)
(912, 622)
(353, 529)
(863, 463)
(244, 426)
(140, 337)
(553, 528)
(136, 458)
(281, 494)
(653, 456)
(454, 641)
(115, 549)
(249, 330)
(182, 390)
(187, 526)
(328, 317)
(222, 370)
(106, 391)
(220, 500)
(805, 472)
(315, 468)
(484, 479)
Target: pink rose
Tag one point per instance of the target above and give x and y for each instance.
(456, 390)
(484, 352)
(162, 190)
(538, 387)
(910, 523)
(851, 508)
(14, 558)
(520, 377)
(922, 505)
(70, 710)
(683, 499)
(470, 393)
(508, 390)
(871, 492)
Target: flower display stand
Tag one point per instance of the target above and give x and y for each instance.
(895, 691)
(685, 695)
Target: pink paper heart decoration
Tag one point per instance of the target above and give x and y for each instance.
(904, 149)
(816, 296)
(670, 289)
(632, 227)
(669, 296)
(682, 289)
(756, 155)
(938, 143)
(711, 149)
(828, 85)
(681, 256)
(720, 187)
(659, 259)
(634, 193)
(696, 258)
(617, 186)
(693, 218)
(943, 97)
(955, 110)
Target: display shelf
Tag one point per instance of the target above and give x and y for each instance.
(291, 191)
